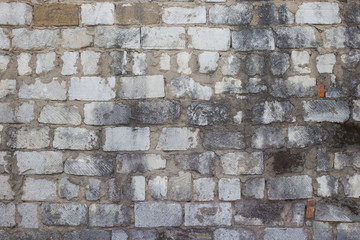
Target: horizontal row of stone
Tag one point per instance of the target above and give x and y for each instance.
(201, 38)
(146, 13)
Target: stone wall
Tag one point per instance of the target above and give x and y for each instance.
(180, 120)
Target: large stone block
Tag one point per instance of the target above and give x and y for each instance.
(131, 163)
(216, 39)
(348, 231)
(17, 112)
(318, 13)
(303, 136)
(284, 188)
(253, 39)
(157, 112)
(163, 37)
(269, 13)
(7, 215)
(112, 36)
(28, 137)
(109, 215)
(296, 37)
(208, 214)
(39, 190)
(75, 138)
(236, 163)
(6, 193)
(202, 163)
(106, 113)
(175, 139)
(64, 214)
(92, 88)
(222, 139)
(60, 113)
(337, 210)
(13, 13)
(76, 38)
(89, 165)
(158, 214)
(47, 162)
(206, 113)
(98, 13)
(137, 13)
(180, 15)
(142, 87)
(238, 14)
(53, 90)
(34, 39)
(127, 139)
(326, 111)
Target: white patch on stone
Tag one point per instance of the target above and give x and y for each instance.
(180, 15)
(138, 188)
(202, 38)
(182, 86)
(89, 62)
(15, 13)
(54, 90)
(231, 65)
(328, 186)
(158, 187)
(142, 87)
(92, 88)
(45, 62)
(183, 62)
(4, 61)
(318, 13)
(127, 139)
(208, 62)
(165, 62)
(229, 85)
(23, 61)
(335, 37)
(238, 117)
(301, 61)
(325, 63)
(351, 186)
(69, 61)
(139, 63)
(98, 13)
(76, 38)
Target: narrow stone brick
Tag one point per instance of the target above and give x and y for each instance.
(273, 111)
(180, 187)
(163, 37)
(158, 187)
(28, 213)
(183, 60)
(15, 13)
(17, 112)
(56, 15)
(223, 139)
(177, 233)
(54, 90)
(326, 111)
(175, 139)
(295, 187)
(229, 189)
(180, 15)
(208, 214)
(351, 184)
(130, 163)
(112, 36)
(184, 85)
(4, 40)
(139, 63)
(60, 114)
(137, 13)
(143, 234)
(27, 137)
(231, 65)
(142, 87)
(157, 112)
(253, 39)
(137, 187)
(303, 136)
(7, 215)
(296, 37)
(76, 38)
(206, 113)
(93, 190)
(158, 214)
(67, 189)
(298, 214)
(89, 165)
(269, 13)
(98, 13)
(7, 87)
(87, 234)
(233, 234)
(268, 137)
(119, 62)
(75, 138)
(64, 214)
(322, 231)
(252, 212)
(92, 88)
(202, 38)
(353, 37)
(6, 192)
(69, 59)
(127, 139)
(203, 163)
(239, 14)
(114, 189)
(323, 160)
(335, 210)
(47, 162)
(356, 110)
(301, 61)
(38, 190)
(285, 233)
(106, 113)
(34, 39)
(23, 61)
(236, 163)
(4, 62)
(318, 13)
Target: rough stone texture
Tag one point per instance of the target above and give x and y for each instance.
(302, 136)
(76, 38)
(253, 39)
(87, 234)
(205, 113)
(56, 15)
(158, 112)
(163, 37)
(285, 233)
(208, 62)
(119, 62)
(92, 88)
(349, 231)
(38, 235)
(60, 114)
(322, 231)
(179, 15)
(215, 39)
(4, 40)
(180, 187)
(7, 215)
(208, 214)
(178, 139)
(39, 190)
(231, 65)
(268, 137)
(19, 113)
(64, 214)
(106, 113)
(47, 162)
(318, 13)
(53, 90)
(182, 60)
(323, 160)
(127, 139)
(242, 163)
(129, 163)
(301, 61)
(158, 187)
(108, 215)
(67, 189)
(254, 188)
(335, 37)
(269, 112)
(27, 137)
(280, 62)
(75, 138)
(158, 214)
(204, 189)
(325, 110)
(6, 193)
(351, 184)
(89, 62)
(223, 140)
(98, 13)
(296, 37)
(328, 186)
(233, 234)
(34, 39)
(255, 65)
(300, 86)
(4, 235)
(202, 163)
(298, 214)
(112, 36)
(231, 15)
(352, 13)
(295, 187)
(335, 210)
(23, 64)
(7, 87)
(15, 14)
(182, 86)
(325, 63)
(137, 13)
(69, 59)
(142, 87)
(269, 13)
(93, 190)
(343, 160)
(229, 189)
(287, 162)
(89, 165)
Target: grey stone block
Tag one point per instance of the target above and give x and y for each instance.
(37, 235)
(87, 234)
(337, 210)
(223, 139)
(285, 234)
(67, 189)
(353, 37)
(28, 213)
(295, 187)
(279, 63)
(47, 162)
(109, 215)
(202, 163)
(64, 214)
(28, 137)
(234, 234)
(7, 215)
(268, 137)
(239, 14)
(303, 136)
(285, 162)
(296, 37)
(106, 113)
(269, 13)
(119, 62)
(343, 160)
(190, 233)
(322, 231)
(272, 111)
(131, 163)
(352, 14)
(204, 189)
(114, 189)
(298, 214)
(75, 138)
(93, 190)
(348, 231)
(255, 65)
(253, 39)
(177, 139)
(235, 163)
(60, 114)
(89, 165)
(326, 111)
(323, 160)
(208, 214)
(180, 187)
(254, 188)
(206, 113)
(157, 112)
(158, 214)
(142, 234)
(4, 235)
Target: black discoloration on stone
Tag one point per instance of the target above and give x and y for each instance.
(203, 163)
(87, 235)
(341, 135)
(271, 14)
(279, 63)
(253, 39)
(119, 62)
(157, 112)
(222, 139)
(353, 13)
(286, 161)
(296, 37)
(337, 210)
(206, 113)
(353, 37)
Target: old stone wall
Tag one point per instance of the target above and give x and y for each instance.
(173, 120)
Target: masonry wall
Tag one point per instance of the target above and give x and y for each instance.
(170, 120)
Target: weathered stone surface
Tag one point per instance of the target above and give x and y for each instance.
(164, 62)
(89, 62)
(208, 62)
(38, 235)
(15, 13)
(318, 13)
(119, 62)
(184, 85)
(4, 40)
(28, 137)
(269, 13)
(47, 162)
(298, 214)
(285, 233)
(53, 90)
(139, 63)
(229, 189)
(208, 214)
(327, 186)
(4, 160)
(142, 87)
(180, 15)
(325, 111)
(142, 234)
(7, 215)
(353, 37)
(108, 215)
(335, 210)
(178, 139)
(17, 113)
(204, 189)
(279, 63)
(351, 186)
(38, 190)
(356, 110)
(296, 37)
(236, 163)
(254, 188)
(325, 63)
(180, 187)
(45, 62)
(203, 163)
(323, 160)
(7, 87)
(93, 190)
(299, 86)
(137, 13)
(253, 212)
(232, 15)
(216, 39)
(75, 138)
(67, 189)
(157, 112)
(343, 160)
(4, 235)
(130, 163)
(89, 165)
(4, 62)
(64, 214)
(231, 65)
(268, 137)
(137, 188)
(335, 37)
(34, 39)
(253, 39)
(268, 112)
(23, 61)
(206, 113)
(56, 15)
(60, 114)
(163, 37)
(192, 233)
(87, 234)
(255, 64)
(158, 214)
(303, 136)
(234, 234)
(119, 235)
(106, 113)
(223, 139)
(182, 60)
(127, 139)
(301, 61)
(76, 38)
(114, 189)
(322, 231)
(348, 231)
(69, 59)
(112, 36)
(98, 13)
(352, 13)
(158, 187)
(287, 162)
(295, 187)
(6, 193)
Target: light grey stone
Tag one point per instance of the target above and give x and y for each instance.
(181, 15)
(229, 189)
(4, 40)
(38, 190)
(351, 186)
(75, 38)
(327, 186)
(203, 38)
(46, 162)
(92, 88)
(285, 233)
(98, 13)
(64, 214)
(127, 139)
(322, 231)
(230, 85)
(202, 163)
(4, 160)
(89, 165)
(325, 63)
(130, 163)
(112, 36)
(296, 37)
(326, 111)
(280, 63)
(38, 235)
(298, 214)
(45, 62)
(335, 210)
(109, 215)
(348, 231)
(142, 87)
(294, 187)
(163, 37)
(236, 163)
(114, 189)
(15, 13)
(208, 62)
(119, 62)
(60, 113)
(233, 234)
(75, 138)
(28, 137)
(184, 85)
(180, 187)
(93, 190)
(139, 63)
(164, 62)
(23, 61)
(69, 60)
(34, 39)
(28, 213)
(343, 160)
(53, 90)
(335, 37)
(158, 187)
(303, 136)
(7, 87)
(253, 39)
(158, 214)
(323, 160)
(301, 61)
(6, 192)
(254, 188)
(177, 139)
(268, 137)
(231, 65)
(142, 234)
(7, 215)
(119, 235)
(208, 214)
(255, 64)
(4, 62)
(182, 60)
(223, 139)
(273, 111)
(204, 189)
(17, 112)
(318, 13)
(239, 14)
(106, 113)
(4, 235)
(299, 86)
(157, 112)
(67, 189)
(89, 62)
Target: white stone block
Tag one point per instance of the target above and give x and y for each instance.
(34, 39)
(163, 37)
(53, 90)
(208, 62)
(4, 61)
(76, 38)
(127, 139)
(75, 138)
(325, 63)
(38, 190)
(23, 61)
(202, 38)
(69, 61)
(15, 13)
(6, 193)
(301, 61)
(29, 215)
(47, 162)
(138, 188)
(142, 87)
(45, 62)
(92, 88)
(60, 113)
(89, 62)
(229, 189)
(182, 60)
(98, 13)
(318, 13)
(158, 187)
(4, 40)
(165, 62)
(178, 139)
(180, 15)
(204, 189)
(139, 63)
(7, 87)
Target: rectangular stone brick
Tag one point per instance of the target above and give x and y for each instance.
(64, 214)
(158, 214)
(253, 39)
(233, 234)
(208, 214)
(34, 39)
(17, 113)
(177, 139)
(303, 136)
(6, 193)
(207, 113)
(180, 15)
(326, 111)
(60, 113)
(106, 113)
(109, 215)
(7, 215)
(343, 160)
(157, 112)
(98, 13)
(28, 213)
(296, 37)
(348, 231)
(337, 210)
(238, 14)
(202, 163)
(223, 139)
(92, 88)
(236, 163)
(127, 139)
(47, 162)
(181, 187)
(285, 234)
(112, 36)
(56, 15)
(284, 188)
(131, 163)
(202, 38)
(38, 190)
(53, 90)
(163, 37)
(142, 87)
(15, 13)
(28, 137)
(137, 13)
(7, 86)
(318, 13)
(76, 38)
(38, 235)
(75, 138)
(89, 165)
